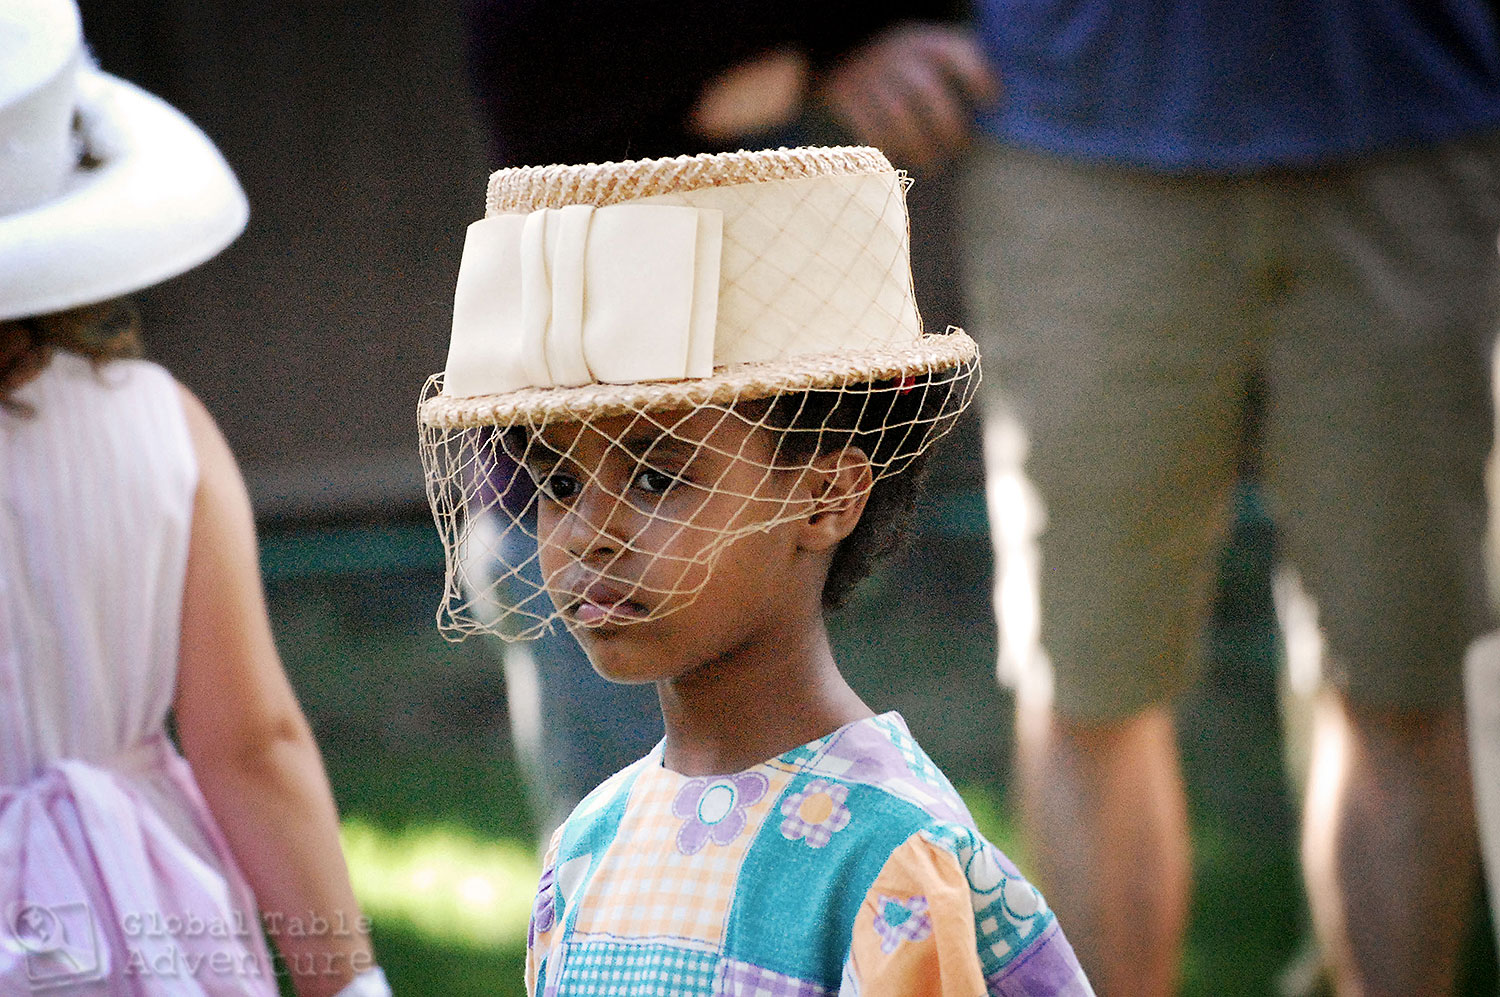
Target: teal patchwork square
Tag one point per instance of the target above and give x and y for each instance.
(795, 901)
(1010, 913)
(594, 822)
(586, 838)
(1003, 934)
(802, 754)
(618, 969)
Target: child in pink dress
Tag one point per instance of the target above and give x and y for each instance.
(129, 586)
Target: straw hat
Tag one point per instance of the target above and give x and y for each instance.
(699, 299)
(104, 189)
(673, 283)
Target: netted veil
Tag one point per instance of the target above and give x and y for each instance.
(653, 359)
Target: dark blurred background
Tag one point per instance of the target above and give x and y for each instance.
(349, 126)
(353, 131)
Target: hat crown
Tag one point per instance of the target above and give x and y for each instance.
(41, 48)
(671, 269)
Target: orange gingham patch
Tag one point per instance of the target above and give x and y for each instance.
(649, 889)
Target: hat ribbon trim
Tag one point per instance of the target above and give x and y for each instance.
(562, 297)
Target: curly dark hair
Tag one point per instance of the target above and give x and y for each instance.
(891, 421)
(103, 332)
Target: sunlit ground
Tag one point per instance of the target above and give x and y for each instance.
(443, 883)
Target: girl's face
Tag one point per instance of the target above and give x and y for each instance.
(655, 545)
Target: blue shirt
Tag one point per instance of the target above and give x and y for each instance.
(1226, 85)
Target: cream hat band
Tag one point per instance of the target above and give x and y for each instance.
(672, 286)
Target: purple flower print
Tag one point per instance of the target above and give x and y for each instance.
(898, 921)
(713, 809)
(815, 812)
(544, 908)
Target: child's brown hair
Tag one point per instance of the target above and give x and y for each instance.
(101, 332)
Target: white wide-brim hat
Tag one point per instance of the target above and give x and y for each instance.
(104, 188)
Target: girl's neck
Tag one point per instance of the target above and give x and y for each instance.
(753, 704)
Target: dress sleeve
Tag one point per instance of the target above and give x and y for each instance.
(544, 919)
(949, 916)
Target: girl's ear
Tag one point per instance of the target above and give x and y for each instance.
(840, 485)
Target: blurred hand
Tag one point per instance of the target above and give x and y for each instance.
(756, 95)
(911, 91)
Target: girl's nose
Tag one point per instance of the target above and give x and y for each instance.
(594, 525)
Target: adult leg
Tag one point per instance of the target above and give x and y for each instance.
(1482, 702)
(1378, 427)
(1086, 289)
(1105, 814)
(1482, 679)
(1388, 845)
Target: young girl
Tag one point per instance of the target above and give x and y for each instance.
(713, 371)
(129, 584)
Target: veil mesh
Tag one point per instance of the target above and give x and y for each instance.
(615, 520)
(607, 505)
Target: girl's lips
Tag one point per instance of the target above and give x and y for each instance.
(601, 606)
(592, 614)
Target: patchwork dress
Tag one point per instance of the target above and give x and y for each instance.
(848, 865)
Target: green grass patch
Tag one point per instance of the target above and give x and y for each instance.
(420, 965)
(449, 908)
(477, 791)
(444, 883)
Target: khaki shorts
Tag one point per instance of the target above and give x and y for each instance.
(1121, 313)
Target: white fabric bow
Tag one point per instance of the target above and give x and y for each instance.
(569, 296)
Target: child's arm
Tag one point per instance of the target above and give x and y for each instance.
(246, 739)
(949, 916)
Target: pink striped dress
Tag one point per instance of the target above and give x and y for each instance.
(114, 878)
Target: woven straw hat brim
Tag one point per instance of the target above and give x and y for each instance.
(529, 188)
(745, 382)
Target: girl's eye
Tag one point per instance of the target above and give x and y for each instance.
(559, 487)
(655, 482)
